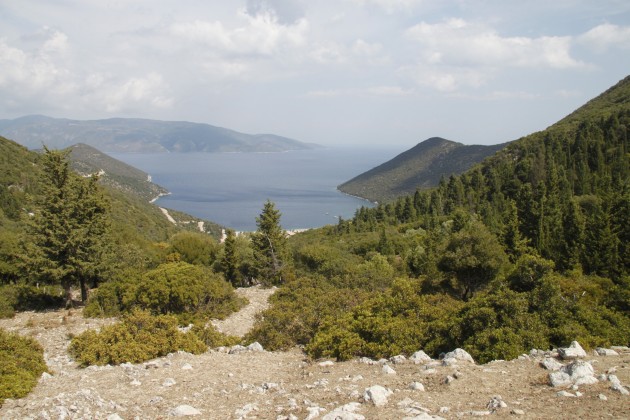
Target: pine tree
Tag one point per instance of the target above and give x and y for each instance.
(269, 244)
(70, 230)
(229, 262)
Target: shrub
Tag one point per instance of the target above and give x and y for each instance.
(21, 365)
(137, 338)
(24, 297)
(180, 288)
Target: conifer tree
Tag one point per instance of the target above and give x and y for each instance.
(229, 262)
(70, 229)
(269, 244)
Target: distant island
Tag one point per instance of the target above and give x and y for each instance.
(131, 135)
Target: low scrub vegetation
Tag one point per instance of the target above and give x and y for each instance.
(141, 336)
(21, 365)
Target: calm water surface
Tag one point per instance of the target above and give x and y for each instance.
(231, 188)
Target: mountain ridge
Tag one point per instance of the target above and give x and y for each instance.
(422, 167)
(141, 136)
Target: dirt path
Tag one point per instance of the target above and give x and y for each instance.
(241, 322)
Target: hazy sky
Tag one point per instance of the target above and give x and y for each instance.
(371, 72)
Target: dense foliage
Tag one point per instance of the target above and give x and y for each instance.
(178, 288)
(137, 338)
(21, 365)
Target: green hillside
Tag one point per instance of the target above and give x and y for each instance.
(420, 167)
(140, 135)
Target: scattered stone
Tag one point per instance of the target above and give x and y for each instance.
(416, 386)
(564, 394)
(458, 375)
(314, 412)
(388, 370)
(169, 382)
(45, 376)
(326, 363)
(367, 361)
(457, 355)
(479, 413)
(185, 410)
(449, 379)
(517, 412)
(345, 412)
(255, 346)
(524, 357)
(599, 351)
(551, 364)
(237, 349)
(576, 373)
(602, 397)
(444, 410)
(187, 366)
(135, 382)
(495, 403)
(420, 357)
(151, 365)
(245, 410)
(377, 395)
(398, 359)
(615, 385)
(114, 416)
(423, 416)
(574, 351)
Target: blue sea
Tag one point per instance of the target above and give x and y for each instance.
(231, 188)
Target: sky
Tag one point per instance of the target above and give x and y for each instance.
(333, 72)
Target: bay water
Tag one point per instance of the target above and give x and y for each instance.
(231, 188)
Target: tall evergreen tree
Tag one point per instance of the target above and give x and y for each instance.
(269, 244)
(229, 262)
(70, 229)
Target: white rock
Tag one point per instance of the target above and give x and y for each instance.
(576, 373)
(551, 364)
(599, 351)
(574, 351)
(398, 359)
(377, 395)
(420, 357)
(114, 416)
(169, 382)
(256, 346)
(367, 361)
(326, 363)
(416, 386)
(517, 412)
(247, 409)
(345, 412)
(45, 376)
(423, 416)
(151, 365)
(496, 402)
(314, 412)
(449, 379)
(237, 349)
(565, 394)
(602, 397)
(388, 370)
(457, 355)
(135, 382)
(185, 410)
(615, 385)
(187, 366)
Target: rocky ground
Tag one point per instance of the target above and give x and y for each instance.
(251, 383)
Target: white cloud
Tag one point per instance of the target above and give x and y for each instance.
(445, 78)
(260, 34)
(147, 90)
(392, 6)
(384, 90)
(460, 43)
(606, 36)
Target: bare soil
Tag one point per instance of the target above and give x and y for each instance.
(287, 385)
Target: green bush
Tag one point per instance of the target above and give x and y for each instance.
(24, 297)
(139, 336)
(180, 288)
(21, 365)
(399, 321)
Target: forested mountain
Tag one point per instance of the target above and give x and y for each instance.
(140, 135)
(420, 167)
(88, 160)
